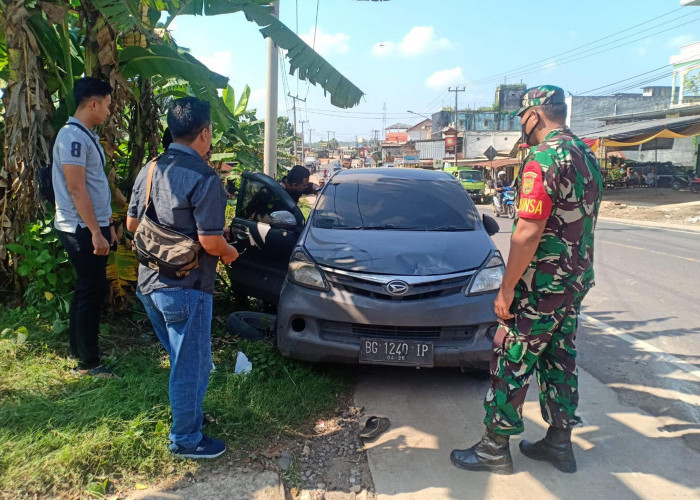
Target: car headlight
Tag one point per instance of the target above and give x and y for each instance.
(304, 272)
(489, 277)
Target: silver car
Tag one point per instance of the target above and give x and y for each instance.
(394, 266)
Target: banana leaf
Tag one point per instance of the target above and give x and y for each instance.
(164, 61)
(123, 15)
(302, 58)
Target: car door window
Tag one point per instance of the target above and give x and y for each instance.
(258, 201)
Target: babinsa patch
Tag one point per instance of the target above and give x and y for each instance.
(529, 181)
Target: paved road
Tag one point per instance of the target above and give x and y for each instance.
(639, 358)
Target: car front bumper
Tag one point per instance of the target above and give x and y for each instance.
(328, 326)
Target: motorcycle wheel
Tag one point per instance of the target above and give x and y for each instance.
(695, 187)
(676, 185)
(511, 211)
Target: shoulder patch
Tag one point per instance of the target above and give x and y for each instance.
(534, 201)
(529, 177)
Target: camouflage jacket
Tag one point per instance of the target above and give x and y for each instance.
(571, 176)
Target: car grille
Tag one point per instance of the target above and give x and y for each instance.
(419, 288)
(344, 332)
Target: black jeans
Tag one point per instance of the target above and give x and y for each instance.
(90, 291)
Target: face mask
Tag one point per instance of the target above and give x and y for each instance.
(528, 135)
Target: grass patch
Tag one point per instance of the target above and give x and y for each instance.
(65, 435)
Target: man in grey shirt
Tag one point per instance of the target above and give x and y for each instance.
(186, 196)
(84, 217)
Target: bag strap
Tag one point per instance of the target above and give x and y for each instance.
(92, 138)
(149, 181)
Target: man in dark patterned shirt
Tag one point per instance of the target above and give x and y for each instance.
(549, 272)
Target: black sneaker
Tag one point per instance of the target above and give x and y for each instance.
(207, 448)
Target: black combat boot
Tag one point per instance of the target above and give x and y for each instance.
(555, 448)
(492, 454)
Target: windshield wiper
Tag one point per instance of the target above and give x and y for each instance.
(395, 227)
(450, 228)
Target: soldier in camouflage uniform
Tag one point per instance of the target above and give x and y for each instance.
(549, 272)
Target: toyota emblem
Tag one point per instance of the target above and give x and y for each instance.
(397, 287)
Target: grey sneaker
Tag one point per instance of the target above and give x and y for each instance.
(207, 448)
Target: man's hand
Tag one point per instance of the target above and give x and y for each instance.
(502, 304)
(229, 256)
(99, 243)
(114, 238)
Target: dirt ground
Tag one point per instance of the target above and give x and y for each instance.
(660, 205)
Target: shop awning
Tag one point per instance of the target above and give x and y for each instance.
(636, 133)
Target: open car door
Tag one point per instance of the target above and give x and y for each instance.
(262, 266)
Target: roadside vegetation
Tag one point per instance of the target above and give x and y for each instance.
(66, 435)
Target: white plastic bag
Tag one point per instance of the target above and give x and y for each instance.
(243, 364)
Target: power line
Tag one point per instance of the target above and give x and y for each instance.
(577, 49)
(513, 72)
(313, 45)
(586, 54)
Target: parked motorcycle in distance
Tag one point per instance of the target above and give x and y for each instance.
(695, 185)
(507, 207)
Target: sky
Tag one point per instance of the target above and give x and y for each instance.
(405, 54)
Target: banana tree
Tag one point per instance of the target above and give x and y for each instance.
(308, 64)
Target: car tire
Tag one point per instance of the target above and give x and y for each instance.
(251, 325)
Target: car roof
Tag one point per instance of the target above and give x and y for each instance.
(374, 174)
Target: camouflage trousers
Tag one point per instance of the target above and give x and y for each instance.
(540, 336)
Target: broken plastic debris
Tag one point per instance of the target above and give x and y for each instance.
(243, 364)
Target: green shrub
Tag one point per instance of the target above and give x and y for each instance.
(49, 276)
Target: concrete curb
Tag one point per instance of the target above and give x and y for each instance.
(247, 484)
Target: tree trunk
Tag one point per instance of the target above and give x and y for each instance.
(27, 126)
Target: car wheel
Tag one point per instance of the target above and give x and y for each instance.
(251, 325)
(511, 211)
(676, 185)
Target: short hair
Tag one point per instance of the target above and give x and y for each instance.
(88, 87)
(555, 112)
(187, 117)
(297, 174)
(167, 138)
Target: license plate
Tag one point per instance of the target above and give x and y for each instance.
(396, 352)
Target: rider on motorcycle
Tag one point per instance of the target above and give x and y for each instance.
(498, 185)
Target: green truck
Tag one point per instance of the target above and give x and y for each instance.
(472, 179)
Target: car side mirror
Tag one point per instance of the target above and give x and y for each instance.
(490, 225)
(282, 219)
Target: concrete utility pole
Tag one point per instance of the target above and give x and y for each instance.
(294, 107)
(457, 90)
(329, 132)
(310, 141)
(270, 144)
(302, 139)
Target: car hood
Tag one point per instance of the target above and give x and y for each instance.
(405, 253)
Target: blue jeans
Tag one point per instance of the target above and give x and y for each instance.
(181, 317)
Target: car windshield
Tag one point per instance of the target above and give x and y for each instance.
(395, 204)
(471, 175)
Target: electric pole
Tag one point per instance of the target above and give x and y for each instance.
(329, 132)
(302, 139)
(310, 141)
(457, 90)
(384, 122)
(294, 108)
(270, 142)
